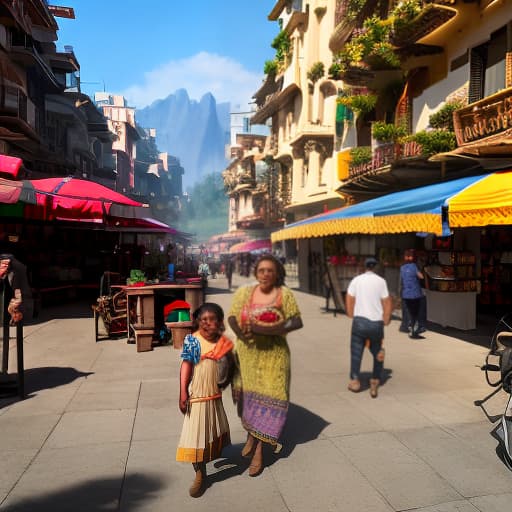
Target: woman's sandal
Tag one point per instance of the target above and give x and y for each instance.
(249, 447)
(256, 466)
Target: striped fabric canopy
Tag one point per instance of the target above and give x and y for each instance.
(251, 246)
(486, 202)
(409, 211)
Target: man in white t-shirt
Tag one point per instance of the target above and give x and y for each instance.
(369, 304)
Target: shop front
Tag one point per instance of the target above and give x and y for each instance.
(461, 230)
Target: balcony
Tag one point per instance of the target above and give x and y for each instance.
(431, 17)
(20, 118)
(346, 21)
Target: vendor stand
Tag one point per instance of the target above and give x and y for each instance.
(145, 307)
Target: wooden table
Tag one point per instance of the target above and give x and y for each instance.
(143, 318)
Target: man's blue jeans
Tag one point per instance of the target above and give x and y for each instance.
(362, 330)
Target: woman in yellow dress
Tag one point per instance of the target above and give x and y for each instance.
(261, 315)
(205, 429)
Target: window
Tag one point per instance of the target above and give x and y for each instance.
(487, 66)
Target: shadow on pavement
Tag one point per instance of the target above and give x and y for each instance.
(48, 377)
(79, 308)
(98, 495)
(301, 426)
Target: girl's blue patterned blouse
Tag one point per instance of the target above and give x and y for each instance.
(191, 349)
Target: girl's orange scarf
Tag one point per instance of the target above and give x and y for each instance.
(222, 347)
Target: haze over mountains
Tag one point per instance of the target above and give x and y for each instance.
(194, 131)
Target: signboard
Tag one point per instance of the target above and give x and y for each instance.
(62, 12)
(484, 118)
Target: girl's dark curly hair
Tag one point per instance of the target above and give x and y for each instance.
(280, 271)
(210, 307)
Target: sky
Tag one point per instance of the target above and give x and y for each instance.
(148, 49)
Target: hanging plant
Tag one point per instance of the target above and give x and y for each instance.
(316, 72)
(359, 103)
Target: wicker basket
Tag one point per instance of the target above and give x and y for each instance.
(179, 330)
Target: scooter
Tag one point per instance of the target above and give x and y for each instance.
(499, 360)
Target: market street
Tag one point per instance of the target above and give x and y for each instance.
(100, 426)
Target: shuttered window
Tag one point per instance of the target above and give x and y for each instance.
(476, 74)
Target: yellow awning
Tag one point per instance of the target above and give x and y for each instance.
(486, 202)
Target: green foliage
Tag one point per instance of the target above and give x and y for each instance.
(387, 132)
(335, 71)
(359, 103)
(282, 45)
(436, 141)
(354, 7)
(371, 47)
(405, 11)
(443, 118)
(360, 155)
(270, 67)
(206, 212)
(316, 71)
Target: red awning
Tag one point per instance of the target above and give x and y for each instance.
(145, 225)
(252, 246)
(10, 166)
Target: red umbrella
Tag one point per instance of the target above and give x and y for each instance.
(69, 199)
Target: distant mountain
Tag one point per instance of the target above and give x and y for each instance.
(195, 132)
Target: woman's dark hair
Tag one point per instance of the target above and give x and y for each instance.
(210, 307)
(280, 271)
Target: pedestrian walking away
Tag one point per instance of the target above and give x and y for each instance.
(205, 429)
(261, 315)
(369, 305)
(411, 292)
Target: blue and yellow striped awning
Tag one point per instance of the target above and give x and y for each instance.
(409, 211)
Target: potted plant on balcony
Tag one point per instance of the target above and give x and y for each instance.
(443, 118)
(433, 142)
(270, 68)
(359, 103)
(366, 52)
(360, 155)
(414, 19)
(316, 72)
(283, 47)
(386, 133)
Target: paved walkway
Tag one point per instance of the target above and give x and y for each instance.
(99, 429)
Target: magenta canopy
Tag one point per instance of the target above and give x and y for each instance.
(251, 246)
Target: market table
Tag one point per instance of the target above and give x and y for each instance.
(145, 307)
(452, 309)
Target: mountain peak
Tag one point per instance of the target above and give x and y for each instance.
(195, 132)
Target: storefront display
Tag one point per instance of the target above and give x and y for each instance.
(452, 284)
